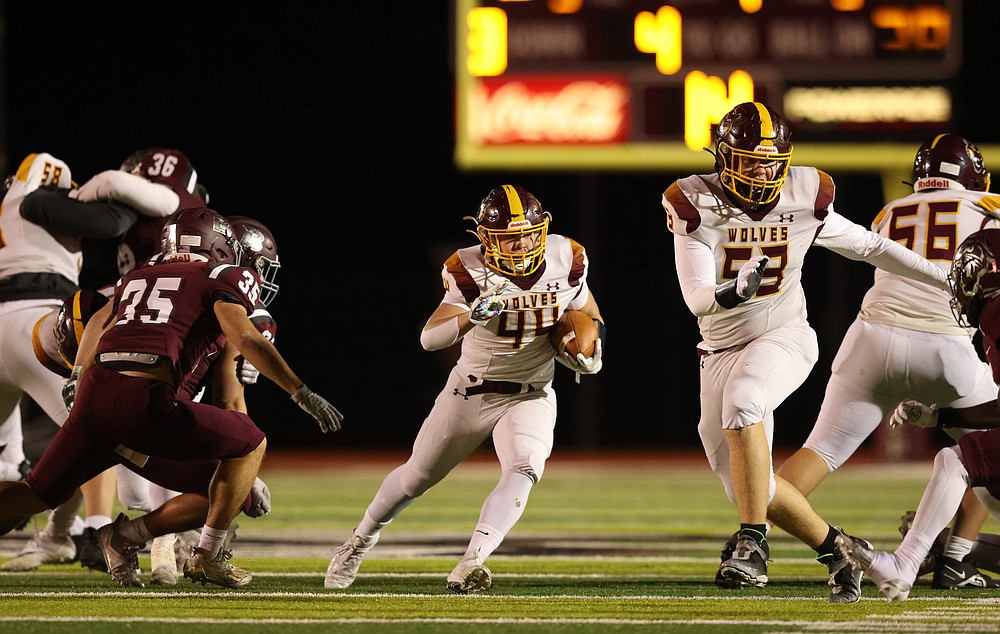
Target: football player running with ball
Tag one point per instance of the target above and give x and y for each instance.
(740, 237)
(501, 299)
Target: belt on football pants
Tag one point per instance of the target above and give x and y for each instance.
(498, 387)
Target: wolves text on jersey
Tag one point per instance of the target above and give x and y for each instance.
(531, 300)
(758, 234)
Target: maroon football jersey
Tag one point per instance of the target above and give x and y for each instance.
(168, 309)
(192, 382)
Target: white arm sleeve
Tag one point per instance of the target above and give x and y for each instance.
(854, 242)
(149, 199)
(440, 337)
(695, 264)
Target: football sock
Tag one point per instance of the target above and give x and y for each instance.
(827, 551)
(958, 548)
(756, 532)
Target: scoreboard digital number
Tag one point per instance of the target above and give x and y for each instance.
(634, 84)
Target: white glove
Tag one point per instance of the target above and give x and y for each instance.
(582, 364)
(69, 387)
(260, 499)
(914, 413)
(319, 408)
(488, 305)
(246, 372)
(748, 279)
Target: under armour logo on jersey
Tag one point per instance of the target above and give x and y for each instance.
(786, 217)
(552, 286)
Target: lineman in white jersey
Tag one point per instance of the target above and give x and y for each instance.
(906, 343)
(740, 238)
(38, 269)
(501, 299)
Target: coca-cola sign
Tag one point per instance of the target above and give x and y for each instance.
(550, 109)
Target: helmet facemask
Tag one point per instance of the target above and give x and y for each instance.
(253, 250)
(517, 250)
(753, 177)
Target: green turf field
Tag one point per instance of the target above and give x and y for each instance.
(631, 547)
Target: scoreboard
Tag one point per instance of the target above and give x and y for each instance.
(637, 84)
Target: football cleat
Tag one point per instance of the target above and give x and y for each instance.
(88, 550)
(747, 567)
(470, 577)
(845, 579)
(952, 574)
(727, 551)
(120, 554)
(343, 568)
(218, 570)
(42, 549)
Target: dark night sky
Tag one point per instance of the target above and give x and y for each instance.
(334, 128)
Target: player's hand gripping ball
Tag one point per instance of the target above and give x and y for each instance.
(575, 333)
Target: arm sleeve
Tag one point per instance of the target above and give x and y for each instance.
(440, 337)
(148, 198)
(695, 265)
(854, 242)
(54, 210)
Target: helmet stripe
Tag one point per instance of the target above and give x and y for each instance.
(514, 201)
(937, 138)
(766, 124)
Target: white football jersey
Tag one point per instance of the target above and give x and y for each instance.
(712, 239)
(931, 223)
(515, 347)
(29, 248)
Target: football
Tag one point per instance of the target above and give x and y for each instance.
(575, 333)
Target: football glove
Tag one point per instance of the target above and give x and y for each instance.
(915, 413)
(245, 371)
(319, 408)
(488, 305)
(260, 499)
(734, 292)
(69, 387)
(582, 364)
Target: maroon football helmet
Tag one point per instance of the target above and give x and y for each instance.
(751, 134)
(200, 234)
(948, 160)
(166, 166)
(975, 276)
(513, 228)
(259, 252)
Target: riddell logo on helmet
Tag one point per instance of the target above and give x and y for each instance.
(519, 224)
(933, 182)
(765, 149)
